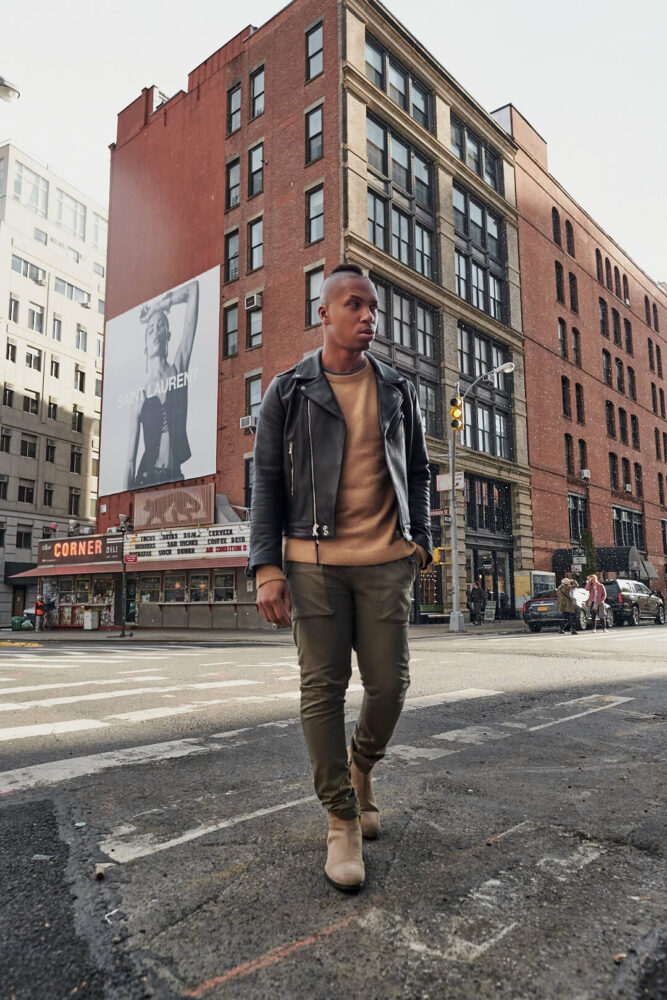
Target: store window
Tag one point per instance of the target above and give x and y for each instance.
(82, 589)
(65, 590)
(199, 588)
(174, 588)
(223, 588)
(149, 589)
(102, 590)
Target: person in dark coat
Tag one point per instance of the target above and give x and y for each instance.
(477, 603)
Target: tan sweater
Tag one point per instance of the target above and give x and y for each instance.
(367, 529)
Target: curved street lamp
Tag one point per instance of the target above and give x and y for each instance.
(8, 92)
(456, 622)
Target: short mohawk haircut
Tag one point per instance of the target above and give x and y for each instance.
(348, 269)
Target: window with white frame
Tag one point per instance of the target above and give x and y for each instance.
(70, 214)
(31, 189)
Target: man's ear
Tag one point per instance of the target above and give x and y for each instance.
(323, 314)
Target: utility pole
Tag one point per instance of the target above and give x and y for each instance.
(456, 620)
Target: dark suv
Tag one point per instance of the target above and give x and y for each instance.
(630, 601)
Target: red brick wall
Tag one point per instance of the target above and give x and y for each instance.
(167, 205)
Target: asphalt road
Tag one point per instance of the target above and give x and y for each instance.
(524, 828)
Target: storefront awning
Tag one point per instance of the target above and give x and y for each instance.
(14, 569)
(74, 569)
(176, 565)
(649, 570)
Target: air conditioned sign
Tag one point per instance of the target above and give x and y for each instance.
(216, 542)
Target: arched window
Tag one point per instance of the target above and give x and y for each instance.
(579, 401)
(555, 225)
(576, 347)
(620, 378)
(654, 397)
(627, 326)
(655, 318)
(639, 489)
(569, 455)
(606, 366)
(583, 455)
(617, 282)
(626, 293)
(565, 392)
(613, 470)
(623, 425)
(647, 310)
(598, 266)
(569, 237)
(560, 284)
(658, 360)
(634, 429)
(661, 490)
(574, 297)
(651, 362)
(616, 327)
(604, 318)
(611, 418)
(625, 467)
(562, 338)
(656, 434)
(662, 403)
(632, 385)
(607, 271)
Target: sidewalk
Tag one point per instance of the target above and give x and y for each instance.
(231, 637)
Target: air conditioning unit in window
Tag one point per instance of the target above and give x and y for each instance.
(41, 281)
(113, 530)
(628, 488)
(253, 301)
(85, 305)
(585, 473)
(248, 423)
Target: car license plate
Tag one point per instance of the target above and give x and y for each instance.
(542, 607)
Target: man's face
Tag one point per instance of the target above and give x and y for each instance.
(157, 334)
(350, 315)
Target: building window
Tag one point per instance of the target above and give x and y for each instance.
(28, 446)
(579, 401)
(488, 413)
(57, 328)
(314, 136)
(632, 385)
(36, 317)
(620, 380)
(562, 338)
(81, 339)
(664, 446)
(610, 418)
(606, 366)
(622, 425)
(576, 506)
(428, 404)
(79, 380)
(257, 93)
(70, 214)
(314, 281)
(385, 72)
(569, 455)
(255, 244)
(315, 215)
(50, 453)
(607, 271)
(377, 220)
(75, 457)
(634, 429)
(478, 237)
(31, 402)
(52, 412)
(654, 397)
(655, 318)
(583, 456)
(74, 502)
(565, 395)
(576, 347)
(23, 536)
(626, 293)
(7, 395)
(662, 403)
(555, 226)
(627, 326)
(55, 368)
(569, 237)
(661, 497)
(574, 295)
(31, 189)
(560, 286)
(99, 348)
(647, 310)
(604, 318)
(425, 332)
(423, 251)
(13, 309)
(400, 236)
(77, 420)
(656, 434)
(232, 256)
(617, 282)
(72, 292)
(5, 440)
(613, 470)
(48, 495)
(234, 108)
(625, 471)
(639, 488)
(628, 527)
(376, 146)
(461, 263)
(254, 328)
(256, 170)
(33, 359)
(100, 228)
(26, 491)
(398, 85)
(598, 266)
(616, 326)
(658, 360)
(230, 326)
(314, 52)
(401, 327)
(253, 395)
(375, 64)
(475, 153)
(233, 184)
(98, 269)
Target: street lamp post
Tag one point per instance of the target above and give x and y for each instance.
(456, 620)
(123, 518)
(8, 92)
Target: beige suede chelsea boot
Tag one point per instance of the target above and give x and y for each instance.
(345, 864)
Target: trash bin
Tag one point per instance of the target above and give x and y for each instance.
(91, 619)
(27, 625)
(17, 623)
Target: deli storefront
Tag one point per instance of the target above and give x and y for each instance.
(175, 578)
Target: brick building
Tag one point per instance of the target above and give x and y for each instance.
(594, 325)
(331, 133)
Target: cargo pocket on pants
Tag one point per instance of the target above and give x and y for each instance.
(308, 590)
(396, 590)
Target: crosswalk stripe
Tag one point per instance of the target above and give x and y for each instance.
(50, 729)
(123, 693)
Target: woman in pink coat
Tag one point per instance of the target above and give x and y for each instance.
(597, 596)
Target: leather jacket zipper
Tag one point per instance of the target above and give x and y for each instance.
(316, 527)
(291, 462)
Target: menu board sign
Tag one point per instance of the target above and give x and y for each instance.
(216, 542)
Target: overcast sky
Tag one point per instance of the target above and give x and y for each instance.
(590, 76)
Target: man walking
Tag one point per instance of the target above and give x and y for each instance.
(341, 470)
(567, 604)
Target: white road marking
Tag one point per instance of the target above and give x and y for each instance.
(143, 670)
(144, 845)
(72, 684)
(74, 699)
(611, 702)
(448, 697)
(163, 713)
(412, 755)
(50, 729)
(473, 735)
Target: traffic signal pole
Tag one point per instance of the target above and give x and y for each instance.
(456, 620)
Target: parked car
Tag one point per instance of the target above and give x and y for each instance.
(632, 601)
(542, 611)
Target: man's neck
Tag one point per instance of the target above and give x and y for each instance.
(342, 362)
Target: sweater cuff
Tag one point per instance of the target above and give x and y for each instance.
(265, 574)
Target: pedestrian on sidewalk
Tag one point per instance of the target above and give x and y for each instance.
(477, 602)
(596, 601)
(567, 603)
(341, 470)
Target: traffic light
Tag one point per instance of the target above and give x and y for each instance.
(456, 412)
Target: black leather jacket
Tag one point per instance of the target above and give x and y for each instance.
(299, 449)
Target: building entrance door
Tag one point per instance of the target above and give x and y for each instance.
(492, 569)
(18, 601)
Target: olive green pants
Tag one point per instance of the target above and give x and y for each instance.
(336, 609)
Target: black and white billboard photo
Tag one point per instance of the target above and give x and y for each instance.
(159, 410)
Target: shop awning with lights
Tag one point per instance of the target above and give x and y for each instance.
(73, 569)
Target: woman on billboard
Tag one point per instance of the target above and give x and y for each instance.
(160, 415)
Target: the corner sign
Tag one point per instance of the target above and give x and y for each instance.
(84, 549)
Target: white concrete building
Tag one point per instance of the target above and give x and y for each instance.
(52, 281)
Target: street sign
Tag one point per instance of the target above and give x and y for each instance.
(443, 482)
(131, 558)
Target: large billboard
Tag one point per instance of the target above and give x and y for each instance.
(159, 411)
